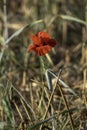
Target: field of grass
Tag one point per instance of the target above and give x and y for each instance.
(46, 92)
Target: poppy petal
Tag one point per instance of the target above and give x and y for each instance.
(35, 39)
(52, 42)
(31, 47)
(42, 43)
(43, 35)
(43, 50)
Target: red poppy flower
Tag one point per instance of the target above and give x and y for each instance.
(42, 43)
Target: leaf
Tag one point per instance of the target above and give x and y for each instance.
(2, 41)
(21, 30)
(32, 127)
(70, 18)
(50, 74)
(2, 125)
(1, 54)
(40, 123)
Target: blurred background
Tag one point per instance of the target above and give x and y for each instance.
(22, 69)
(69, 35)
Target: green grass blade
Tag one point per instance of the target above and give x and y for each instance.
(22, 29)
(74, 19)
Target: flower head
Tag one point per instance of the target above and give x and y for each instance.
(42, 43)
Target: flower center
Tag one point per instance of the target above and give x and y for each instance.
(44, 43)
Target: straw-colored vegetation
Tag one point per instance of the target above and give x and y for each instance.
(48, 93)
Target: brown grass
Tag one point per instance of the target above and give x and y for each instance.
(25, 100)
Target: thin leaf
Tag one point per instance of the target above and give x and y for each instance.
(50, 118)
(40, 123)
(2, 41)
(21, 30)
(28, 105)
(50, 74)
(70, 18)
(2, 125)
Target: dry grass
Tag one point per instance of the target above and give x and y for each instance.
(26, 103)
